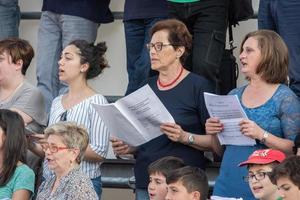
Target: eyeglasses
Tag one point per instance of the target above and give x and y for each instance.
(63, 116)
(52, 148)
(258, 176)
(157, 46)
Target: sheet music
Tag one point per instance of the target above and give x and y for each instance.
(229, 110)
(136, 118)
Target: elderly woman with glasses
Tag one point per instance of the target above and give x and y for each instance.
(182, 94)
(64, 149)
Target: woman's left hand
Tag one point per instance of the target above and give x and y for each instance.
(250, 129)
(174, 132)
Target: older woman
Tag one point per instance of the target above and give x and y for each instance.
(286, 176)
(182, 94)
(79, 62)
(17, 179)
(64, 149)
(272, 108)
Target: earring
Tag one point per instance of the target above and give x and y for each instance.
(81, 70)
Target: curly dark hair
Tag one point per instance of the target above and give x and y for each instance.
(93, 55)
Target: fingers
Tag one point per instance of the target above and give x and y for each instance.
(173, 131)
(213, 126)
(119, 147)
(213, 120)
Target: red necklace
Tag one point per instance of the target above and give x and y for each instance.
(169, 84)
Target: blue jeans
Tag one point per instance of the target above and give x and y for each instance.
(55, 32)
(97, 185)
(141, 194)
(283, 16)
(9, 18)
(207, 22)
(138, 60)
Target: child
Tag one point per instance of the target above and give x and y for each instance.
(158, 170)
(286, 176)
(260, 164)
(187, 183)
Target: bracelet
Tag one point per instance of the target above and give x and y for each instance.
(265, 136)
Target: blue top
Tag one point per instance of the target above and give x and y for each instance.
(22, 179)
(280, 116)
(142, 9)
(94, 10)
(186, 104)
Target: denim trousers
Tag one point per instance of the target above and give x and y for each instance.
(9, 18)
(283, 16)
(97, 183)
(207, 22)
(141, 194)
(138, 60)
(55, 32)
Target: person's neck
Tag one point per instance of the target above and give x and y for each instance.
(77, 88)
(259, 84)
(62, 173)
(169, 74)
(11, 85)
(8, 88)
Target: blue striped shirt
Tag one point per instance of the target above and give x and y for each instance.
(84, 114)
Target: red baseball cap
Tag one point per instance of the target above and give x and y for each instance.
(264, 156)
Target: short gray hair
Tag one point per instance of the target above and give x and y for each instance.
(73, 136)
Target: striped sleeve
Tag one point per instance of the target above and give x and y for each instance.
(99, 135)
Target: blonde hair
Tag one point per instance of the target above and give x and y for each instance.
(73, 136)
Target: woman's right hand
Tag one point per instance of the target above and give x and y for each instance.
(213, 126)
(34, 141)
(120, 147)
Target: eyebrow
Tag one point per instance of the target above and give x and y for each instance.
(68, 53)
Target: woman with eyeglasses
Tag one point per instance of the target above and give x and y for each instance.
(260, 165)
(16, 178)
(272, 108)
(64, 149)
(181, 92)
(81, 61)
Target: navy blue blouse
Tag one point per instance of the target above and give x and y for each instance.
(185, 102)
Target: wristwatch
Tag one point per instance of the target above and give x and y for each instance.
(191, 139)
(265, 136)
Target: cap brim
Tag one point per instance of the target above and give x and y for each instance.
(256, 161)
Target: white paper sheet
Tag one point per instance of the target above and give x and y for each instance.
(228, 109)
(136, 118)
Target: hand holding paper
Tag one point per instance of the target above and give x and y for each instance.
(229, 111)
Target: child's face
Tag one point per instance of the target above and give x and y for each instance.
(287, 189)
(157, 187)
(177, 191)
(263, 188)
